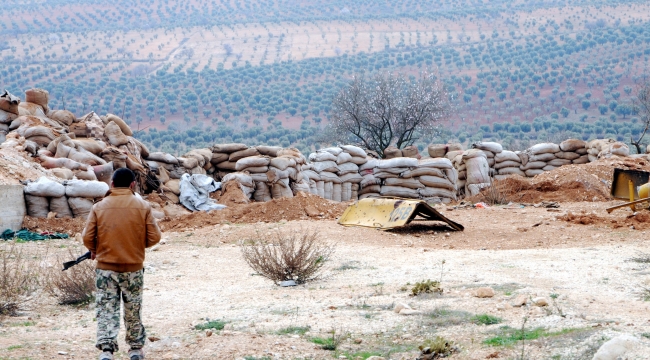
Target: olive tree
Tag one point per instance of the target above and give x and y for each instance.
(387, 109)
(642, 107)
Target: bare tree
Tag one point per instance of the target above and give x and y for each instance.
(642, 107)
(387, 109)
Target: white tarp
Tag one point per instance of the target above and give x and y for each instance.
(195, 192)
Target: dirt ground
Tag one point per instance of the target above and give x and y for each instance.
(597, 273)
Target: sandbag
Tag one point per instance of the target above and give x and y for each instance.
(64, 139)
(512, 171)
(544, 148)
(436, 182)
(354, 151)
(281, 189)
(584, 159)
(330, 177)
(63, 117)
(7, 117)
(541, 157)
(283, 162)
(358, 160)
(252, 161)
(115, 135)
(320, 187)
(347, 168)
(104, 173)
(533, 165)
(51, 163)
(400, 192)
(30, 109)
(293, 153)
(219, 158)
(38, 96)
(241, 177)
(343, 157)
(9, 106)
(439, 163)
(242, 154)
(354, 178)
(559, 162)
(420, 171)
(35, 131)
(310, 174)
(473, 153)
(163, 175)
(571, 145)
(411, 151)
(505, 164)
(227, 165)
(44, 187)
(329, 166)
(430, 192)
(174, 186)
(262, 192)
(619, 149)
(126, 130)
(451, 155)
(346, 191)
(328, 190)
(93, 146)
(337, 190)
(397, 163)
(333, 150)
(88, 174)
(322, 156)
(144, 150)
(275, 174)
(80, 206)
(506, 155)
(61, 173)
(268, 150)
(369, 180)
(60, 206)
(534, 172)
(381, 174)
(567, 155)
(117, 157)
(85, 189)
(162, 157)
(29, 146)
(408, 183)
(134, 165)
(257, 170)
(392, 152)
(478, 171)
(37, 206)
(228, 148)
(493, 147)
(437, 150)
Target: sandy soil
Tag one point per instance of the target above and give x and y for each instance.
(199, 274)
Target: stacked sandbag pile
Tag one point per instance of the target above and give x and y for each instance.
(297, 182)
(324, 163)
(456, 159)
(574, 150)
(8, 113)
(74, 198)
(507, 163)
(442, 150)
(477, 170)
(370, 185)
(606, 148)
(491, 149)
(349, 162)
(435, 180)
(224, 156)
(541, 157)
(393, 185)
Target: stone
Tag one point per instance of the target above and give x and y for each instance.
(400, 306)
(520, 301)
(208, 333)
(311, 211)
(153, 338)
(503, 306)
(484, 292)
(409, 312)
(358, 341)
(616, 347)
(62, 353)
(540, 301)
(51, 215)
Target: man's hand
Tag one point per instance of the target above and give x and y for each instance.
(92, 256)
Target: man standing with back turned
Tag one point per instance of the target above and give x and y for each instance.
(118, 230)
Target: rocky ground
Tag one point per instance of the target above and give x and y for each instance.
(593, 279)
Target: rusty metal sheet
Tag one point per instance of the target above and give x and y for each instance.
(388, 213)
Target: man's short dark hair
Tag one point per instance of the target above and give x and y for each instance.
(122, 178)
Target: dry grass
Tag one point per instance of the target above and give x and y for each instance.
(74, 286)
(19, 278)
(298, 256)
(494, 194)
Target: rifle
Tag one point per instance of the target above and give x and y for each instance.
(69, 264)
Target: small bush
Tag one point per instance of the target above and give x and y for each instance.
(211, 324)
(436, 348)
(426, 287)
(494, 194)
(75, 286)
(294, 330)
(486, 319)
(331, 342)
(297, 256)
(18, 279)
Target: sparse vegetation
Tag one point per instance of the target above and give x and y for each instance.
(75, 286)
(447, 317)
(211, 325)
(509, 336)
(18, 279)
(486, 319)
(436, 348)
(296, 256)
(294, 330)
(332, 341)
(426, 287)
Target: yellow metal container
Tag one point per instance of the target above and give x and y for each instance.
(644, 191)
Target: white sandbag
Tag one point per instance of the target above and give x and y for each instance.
(581, 151)
(370, 189)
(619, 149)
(300, 186)
(451, 155)
(333, 150)
(559, 162)
(549, 167)
(429, 192)
(346, 192)
(283, 162)
(60, 206)
(567, 155)
(228, 148)
(227, 165)
(354, 178)
(329, 166)
(370, 196)
(420, 171)
(37, 206)
(257, 177)
(546, 157)
(347, 168)
(311, 175)
(252, 161)
(385, 174)
(88, 175)
(397, 163)
(436, 182)
(506, 155)
(400, 192)
(268, 150)
(478, 171)
(354, 150)
(329, 187)
(242, 178)
(320, 187)
(44, 187)
(452, 175)
(163, 158)
(313, 188)
(369, 180)
(85, 189)
(523, 156)
(408, 183)
(330, 177)
(473, 153)
(80, 207)
(242, 154)
(507, 163)
(491, 162)
(533, 172)
(571, 145)
(275, 174)
(533, 165)
(358, 160)
(475, 189)
(115, 135)
(321, 156)
(437, 150)
(584, 159)
(188, 162)
(61, 173)
(544, 148)
(370, 164)
(512, 171)
(343, 158)
(493, 147)
(337, 192)
(591, 158)
(439, 163)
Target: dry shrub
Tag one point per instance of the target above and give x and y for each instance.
(298, 256)
(18, 279)
(74, 286)
(500, 192)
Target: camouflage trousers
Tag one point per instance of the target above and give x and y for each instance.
(111, 288)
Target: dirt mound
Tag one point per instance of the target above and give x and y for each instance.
(302, 206)
(230, 194)
(639, 220)
(68, 226)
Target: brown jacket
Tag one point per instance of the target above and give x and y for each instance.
(118, 230)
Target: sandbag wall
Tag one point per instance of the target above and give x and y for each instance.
(66, 199)
(333, 172)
